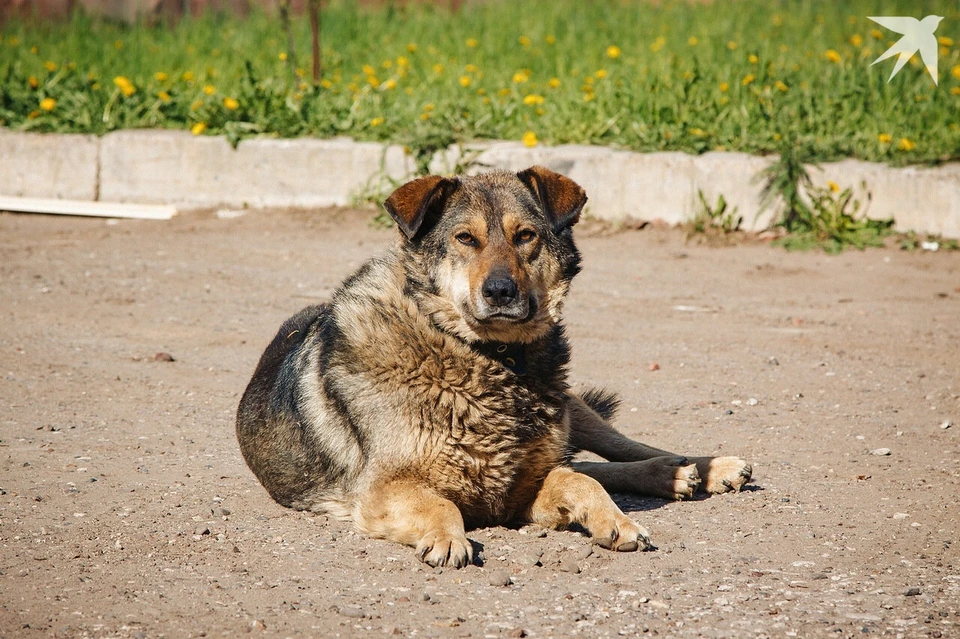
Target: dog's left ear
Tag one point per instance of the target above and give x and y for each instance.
(562, 199)
(410, 203)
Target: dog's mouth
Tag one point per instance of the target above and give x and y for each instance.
(520, 312)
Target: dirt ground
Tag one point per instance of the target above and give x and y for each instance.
(126, 509)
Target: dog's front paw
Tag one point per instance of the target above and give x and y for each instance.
(723, 474)
(622, 534)
(438, 548)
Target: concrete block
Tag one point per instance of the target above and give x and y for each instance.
(736, 176)
(190, 171)
(51, 166)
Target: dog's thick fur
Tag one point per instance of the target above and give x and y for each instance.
(431, 394)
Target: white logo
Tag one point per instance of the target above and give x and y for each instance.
(917, 36)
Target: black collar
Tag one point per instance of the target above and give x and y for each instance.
(511, 355)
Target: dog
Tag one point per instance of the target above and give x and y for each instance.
(430, 396)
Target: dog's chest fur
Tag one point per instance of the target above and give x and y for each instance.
(446, 414)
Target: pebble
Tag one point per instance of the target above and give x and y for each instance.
(163, 357)
(585, 552)
(752, 401)
(947, 424)
(900, 515)
(354, 613)
(202, 529)
(517, 632)
(499, 578)
(569, 564)
(424, 596)
(529, 559)
(911, 592)
(258, 624)
(880, 451)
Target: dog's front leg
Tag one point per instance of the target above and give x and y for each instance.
(568, 497)
(412, 514)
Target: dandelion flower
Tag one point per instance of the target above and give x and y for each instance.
(780, 85)
(550, 39)
(282, 56)
(723, 87)
(876, 34)
(834, 187)
(945, 41)
(554, 83)
(748, 79)
(533, 99)
(613, 52)
(658, 44)
(471, 68)
(188, 76)
(160, 76)
(732, 45)
(164, 96)
(411, 48)
(856, 40)
(389, 85)
(465, 81)
(198, 128)
(600, 74)
(126, 87)
(438, 68)
(753, 59)
(230, 104)
(955, 91)
(832, 56)
(34, 83)
(209, 89)
(955, 71)
(520, 77)
(50, 66)
(524, 41)
(906, 145)
(693, 41)
(473, 43)
(368, 70)
(47, 104)
(529, 139)
(376, 122)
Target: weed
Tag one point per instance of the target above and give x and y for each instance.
(714, 220)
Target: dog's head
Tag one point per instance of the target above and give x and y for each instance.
(490, 257)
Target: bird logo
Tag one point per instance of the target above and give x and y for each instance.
(917, 36)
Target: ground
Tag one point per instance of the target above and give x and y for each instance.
(126, 509)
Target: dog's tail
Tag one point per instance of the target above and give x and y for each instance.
(602, 401)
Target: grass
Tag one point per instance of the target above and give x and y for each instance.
(673, 75)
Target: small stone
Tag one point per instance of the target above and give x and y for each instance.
(569, 564)
(529, 559)
(752, 401)
(911, 592)
(773, 361)
(258, 624)
(353, 613)
(202, 529)
(653, 367)
(424, 596)
(517, 633)
(947, 424)
(900, 515)
(163, 357)
(585, 552)
(499, 578)
(728, 412)
(882, 452)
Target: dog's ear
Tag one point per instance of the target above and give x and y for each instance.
(562, 199)
(410, 203)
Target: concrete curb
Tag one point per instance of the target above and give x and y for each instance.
(173, 167)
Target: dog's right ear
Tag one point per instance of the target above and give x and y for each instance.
(410, 203)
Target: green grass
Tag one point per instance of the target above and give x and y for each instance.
(675, 75)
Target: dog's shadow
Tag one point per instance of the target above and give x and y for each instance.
(630, 503)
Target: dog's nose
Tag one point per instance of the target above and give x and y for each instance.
(499, 291)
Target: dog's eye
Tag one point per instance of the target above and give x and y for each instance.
(466, 238)
(525, 236)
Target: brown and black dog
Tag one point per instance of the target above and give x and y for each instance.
(430, 395)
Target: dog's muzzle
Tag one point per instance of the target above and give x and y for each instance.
(501, 299)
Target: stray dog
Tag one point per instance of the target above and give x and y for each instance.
(430, 395)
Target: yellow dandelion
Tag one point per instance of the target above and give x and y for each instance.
(503, 93)
(777, 20)
(230, 104)
(856, 40)
(389, 85)
(732, 45)
(780, 85)
(160, 76)
(34, 114)
(748, 79)
(198, 128)
(553, 83)
(386, 64)
(164, 96)
(428, 107)
(465, 81)
(753, 59)
(955, 71)
(47, 104)
(550, 39)
(600, 74)
(520, 77)
(834, 187)
(368, 70)
(876, 34)
(698, 132)
(471, 68)
(33, 82)
(589, 96)
(196, 104)
(533, 99)
(613, 52)
(693, 41)
(402, 61)
(438, 68)
(50, 66)
(209, 89)
(376, 122)
(326, 84)
(126, 87)
(411, 48)
(424, 116)
(723, 87)
(832, 56)
(282, 56)
(529, 139)
(955, 91)
(906, 145)
(473, 43)
(188, 76)
(945, 41)
(118, 44)
(658, 44)
(373, 80)
(524, 41)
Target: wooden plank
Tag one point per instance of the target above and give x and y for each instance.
(87, 208)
